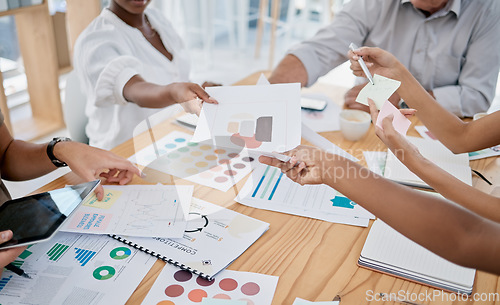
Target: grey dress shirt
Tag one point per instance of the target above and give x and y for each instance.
(455, 52)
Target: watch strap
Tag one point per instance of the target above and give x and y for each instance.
(50, 151)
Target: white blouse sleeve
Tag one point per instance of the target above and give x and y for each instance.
(104, 65)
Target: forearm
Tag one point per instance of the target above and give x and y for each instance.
(434, 223)
(289, 70)
(148, 95)
(24, 161)
(455, 190)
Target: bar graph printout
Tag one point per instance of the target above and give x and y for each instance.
(74, 268)
(268, 188)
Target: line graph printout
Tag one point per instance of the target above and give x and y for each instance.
(135, 210)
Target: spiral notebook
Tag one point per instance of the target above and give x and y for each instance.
(213, 239)
(388, 251)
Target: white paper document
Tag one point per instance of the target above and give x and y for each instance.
(258, 118)
(74, 269)
(323, 143)
(174, 286)
(322, 121)
(299, 301)
(136, 210)
(268, 188)
(379, 92)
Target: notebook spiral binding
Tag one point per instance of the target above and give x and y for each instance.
(162, 257)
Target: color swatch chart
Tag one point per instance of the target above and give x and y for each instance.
(202, 163)
(179, 287)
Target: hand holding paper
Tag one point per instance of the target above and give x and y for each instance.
(379, 92)
(400, 122)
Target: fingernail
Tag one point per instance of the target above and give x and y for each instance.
(143, 175)
(4, 236)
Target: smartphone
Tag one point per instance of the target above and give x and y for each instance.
(313, 103)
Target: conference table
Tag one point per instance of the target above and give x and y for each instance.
(315, 260)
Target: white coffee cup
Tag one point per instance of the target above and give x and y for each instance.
(354, 123)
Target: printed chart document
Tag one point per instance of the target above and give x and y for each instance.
(455, 164)
(388, 251)
(214, 237)
(202, 163)
(268, 188)
(260, 118)
(71, 268)
(182, 287)
(136, 210)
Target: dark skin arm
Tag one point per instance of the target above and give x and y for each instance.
(448, 230)
(21, 160)
(455, 134)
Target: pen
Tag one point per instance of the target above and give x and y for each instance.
(481, 176)
(17, 270)
(353, 47)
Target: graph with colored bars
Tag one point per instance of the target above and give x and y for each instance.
(4, 281)
(57, 251)
(84, 256)
(268, 186)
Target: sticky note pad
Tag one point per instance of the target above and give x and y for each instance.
(400, 122)
(207, 301)
(382, 89)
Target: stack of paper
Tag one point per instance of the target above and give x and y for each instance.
(388, 251)
(455, 164)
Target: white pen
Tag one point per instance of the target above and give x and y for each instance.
(353, 47)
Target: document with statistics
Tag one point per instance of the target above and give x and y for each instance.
(260, 118)
(214, 237)
(74, 269)
(135, 210)
(268, 188)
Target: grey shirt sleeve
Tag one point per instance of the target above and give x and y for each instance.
(329, 47)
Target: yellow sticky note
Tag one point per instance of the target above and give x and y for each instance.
(379, 92)
(110, 197)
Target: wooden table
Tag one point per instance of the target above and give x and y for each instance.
(315, 260)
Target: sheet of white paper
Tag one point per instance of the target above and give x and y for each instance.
(321, 142)
(376, 161)
(214, 237)
(299, 301)
(321, 121)
(79, 269)
(181, 287)
(201, 163)
(382, 89)
(259, 118)
(135, 210)
(269, 189)
(263, 80)
(425, 133)
(400, 122)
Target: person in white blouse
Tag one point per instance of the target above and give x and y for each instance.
(131, 62)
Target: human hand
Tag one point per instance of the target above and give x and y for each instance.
(350, 99)
(90, 162)
(190, 96)
(210, 84)
(307, 165)
(8, 255)
(399, 145)
(377, 60)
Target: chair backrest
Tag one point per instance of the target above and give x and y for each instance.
(74, 109)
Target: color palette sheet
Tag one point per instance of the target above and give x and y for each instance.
(269, 189)
(202, 163)
(178, 287)
(136, 210)
(79, 269)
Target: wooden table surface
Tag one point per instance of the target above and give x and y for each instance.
(315, 260)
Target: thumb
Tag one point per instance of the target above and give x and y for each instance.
(6, 236)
